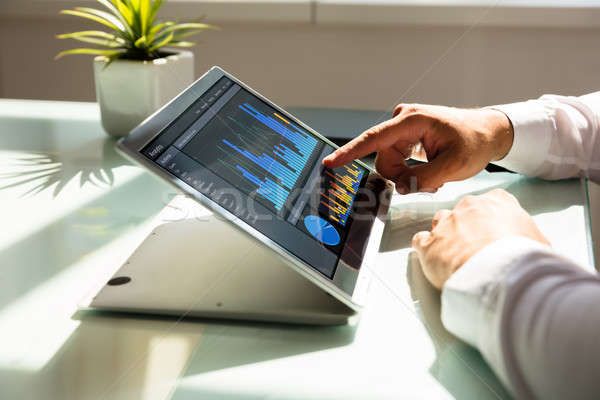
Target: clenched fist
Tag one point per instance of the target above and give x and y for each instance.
(475, 222)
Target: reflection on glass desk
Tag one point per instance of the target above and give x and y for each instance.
(73, 210)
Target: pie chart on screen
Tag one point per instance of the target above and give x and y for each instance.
(322, 230)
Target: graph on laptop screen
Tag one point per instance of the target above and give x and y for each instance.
(270, 152)
(264, 154)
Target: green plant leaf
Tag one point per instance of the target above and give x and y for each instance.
(145, 15)
(181, 35)
(100, 42)
(161, 43)
(151, 35)
(134, 33)
(103, 14)
(101, 34)
(98, 52)
(92, 17)
(136, 24)
(110, 58)
(141, 42)
(185, 27)
(135, 4)
(155, 6)
(191, 25)
(181, 44)
(125, 12)
(111, 7)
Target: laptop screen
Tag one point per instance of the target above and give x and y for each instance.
(264, 168)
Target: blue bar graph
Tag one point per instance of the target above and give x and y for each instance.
(268, 189)
(268, 152)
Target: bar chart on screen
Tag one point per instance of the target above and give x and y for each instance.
(338, 191)
(267, 152)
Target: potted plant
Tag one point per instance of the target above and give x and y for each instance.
(139, 64)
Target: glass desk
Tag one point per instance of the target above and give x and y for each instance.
(73, 209)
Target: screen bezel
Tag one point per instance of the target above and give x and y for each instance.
(343, 285)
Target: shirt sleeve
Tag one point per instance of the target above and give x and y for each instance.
(555, 137)
(534, 316)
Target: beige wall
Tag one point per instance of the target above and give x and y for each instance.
(336, 66)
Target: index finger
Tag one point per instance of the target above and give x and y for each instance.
(370, 141)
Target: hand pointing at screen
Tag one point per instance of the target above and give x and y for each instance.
(504, 290)
(457, 143)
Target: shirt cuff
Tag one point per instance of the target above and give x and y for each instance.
(473, 296)
(532, 124)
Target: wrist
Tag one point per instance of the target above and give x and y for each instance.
(501, 132)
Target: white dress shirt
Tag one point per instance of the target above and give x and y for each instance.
(534, 315)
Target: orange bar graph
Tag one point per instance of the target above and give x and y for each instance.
(338, 198)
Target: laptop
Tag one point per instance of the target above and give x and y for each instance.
(298, 237)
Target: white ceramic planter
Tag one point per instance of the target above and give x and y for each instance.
(129, 91)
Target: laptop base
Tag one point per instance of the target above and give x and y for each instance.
(200, 266)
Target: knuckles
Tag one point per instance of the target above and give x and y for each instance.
(498, 192)
(415, 242)
(398, 109)
(406, 109)
(502, 194)
(487, 201)
(419, 240)
(371, 133)
(442, 214)
(466, 201)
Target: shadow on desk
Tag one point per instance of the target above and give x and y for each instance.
(91, 163)
(114, 356)
(459, 367)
